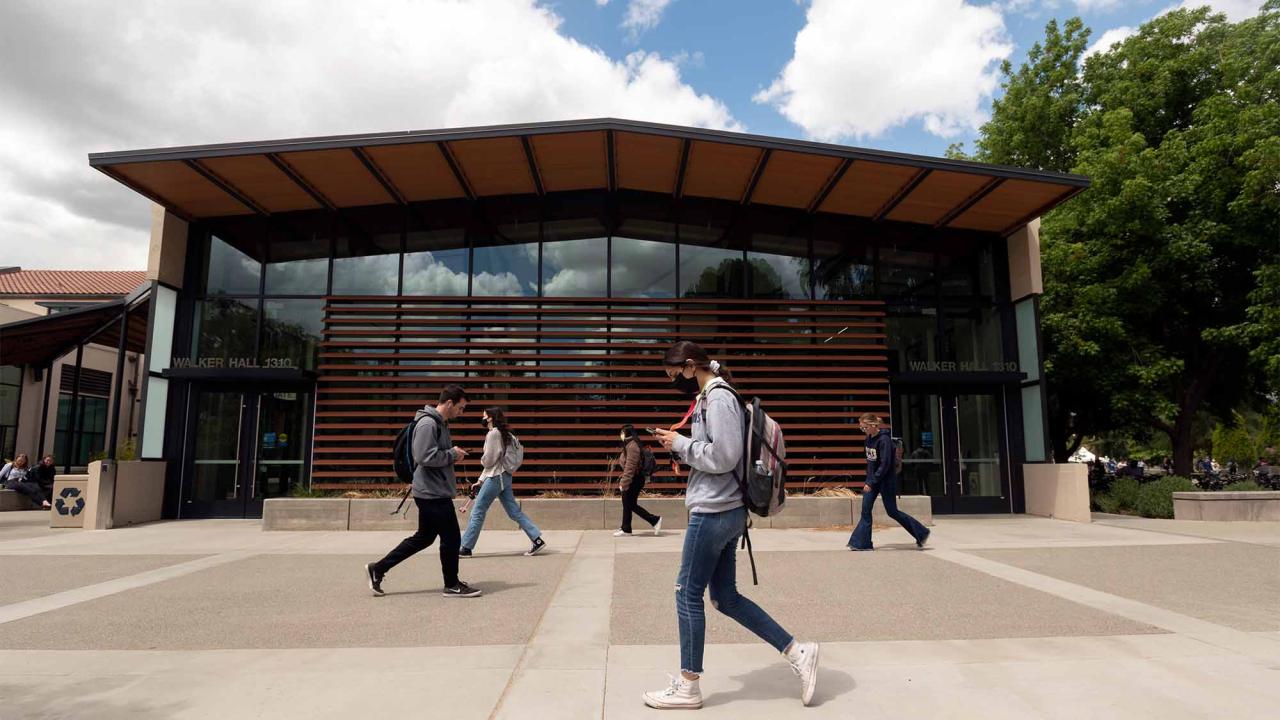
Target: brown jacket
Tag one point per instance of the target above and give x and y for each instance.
(629, 459)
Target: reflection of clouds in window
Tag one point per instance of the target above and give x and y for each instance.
(575, 267)
(230, 270)
(427, 274)
(367, 275)
(300, 277)
(643, 268)
(486, 283)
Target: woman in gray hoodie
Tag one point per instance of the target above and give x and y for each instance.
(717, 519)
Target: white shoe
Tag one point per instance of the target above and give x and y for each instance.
(682, 694)
(804, 663)
(657, 527)
(621, 533)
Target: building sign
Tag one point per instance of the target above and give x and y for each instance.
(211, 363)
(962, 366)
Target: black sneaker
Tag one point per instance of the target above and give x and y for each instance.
(924, 538)
(464, 552)
(537, 546)
(461, 590)
(375, 579)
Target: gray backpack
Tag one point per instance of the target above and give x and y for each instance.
(513, 455)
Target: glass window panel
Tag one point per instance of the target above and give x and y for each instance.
(643, 268)
(906, 274)
(712, 263)
(575, 268)
(917, 421)
(435, 262)
(978, 419)
(166, 303)
(500, 267)
(1033, 423)
(778, 267)
(157, 403)
(225, 330)
(367, 251)
(973, 338)
(298, 255)
(914, 339)
(291, 333)
(231, 264)
(1028, 344)
(958, 276)
(843, 269)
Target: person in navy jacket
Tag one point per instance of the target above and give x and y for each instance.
(882, 480)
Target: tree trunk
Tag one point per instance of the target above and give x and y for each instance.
(1180, 439)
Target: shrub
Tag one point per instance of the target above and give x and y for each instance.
(1155, 499)
(1243, 486)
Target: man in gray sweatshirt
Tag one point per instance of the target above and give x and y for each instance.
(434, 485)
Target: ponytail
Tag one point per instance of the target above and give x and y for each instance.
(683, 351)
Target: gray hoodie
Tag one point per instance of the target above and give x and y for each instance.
(433, 476)
(714, 453)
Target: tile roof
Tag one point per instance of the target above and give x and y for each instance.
(70, 282)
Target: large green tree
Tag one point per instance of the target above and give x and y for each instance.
(1159, 281)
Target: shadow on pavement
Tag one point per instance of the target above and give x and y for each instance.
(777, 681)
(72, 700)
(488, 587)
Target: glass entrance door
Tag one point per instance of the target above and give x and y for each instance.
(954, 450)
(243, 447)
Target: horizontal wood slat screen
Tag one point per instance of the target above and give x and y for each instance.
(570, 371)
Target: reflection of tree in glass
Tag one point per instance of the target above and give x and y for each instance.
(227, 329)
(292, 341)
(723, 280)
(766, 282)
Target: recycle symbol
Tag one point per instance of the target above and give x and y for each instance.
(62, 506)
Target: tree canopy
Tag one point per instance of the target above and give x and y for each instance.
(1162, 281)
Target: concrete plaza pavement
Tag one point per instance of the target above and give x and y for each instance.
(1013, 617)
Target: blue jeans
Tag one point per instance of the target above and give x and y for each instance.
(888, 492)
(496, 487)
(709, 559)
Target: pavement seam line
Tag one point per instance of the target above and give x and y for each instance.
(524, 653)
(75, 596)
(1237, 641)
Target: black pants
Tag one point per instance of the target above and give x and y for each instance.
(32, 490)
(436, 518)
(630, 504)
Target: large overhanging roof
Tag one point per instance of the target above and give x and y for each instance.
(386, 168)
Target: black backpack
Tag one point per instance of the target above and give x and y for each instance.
(648, 463)
(402, 453)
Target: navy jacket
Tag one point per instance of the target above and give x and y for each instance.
(880, 457)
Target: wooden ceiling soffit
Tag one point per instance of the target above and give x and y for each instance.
(646, 162)
(339, 176)
(719, 170)
(1007, 204)
(936, 195)
(261, 181)
(173, 184)
(494, 166)
(572, 161)
(418, 171)
(794, 179)
(866, 187)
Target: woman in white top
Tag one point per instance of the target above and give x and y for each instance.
(501, 456)
(19, 476)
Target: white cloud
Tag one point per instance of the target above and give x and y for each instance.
(1236, 10)
(643, 15)
(82, 77)
(1097, 5)
(862, 68)
(1107, 39)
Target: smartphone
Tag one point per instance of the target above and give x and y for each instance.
(651, 431)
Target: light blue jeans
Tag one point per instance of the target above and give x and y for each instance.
(497, 487)
(709, 559)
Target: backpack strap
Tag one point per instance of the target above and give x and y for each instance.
(409, 449)
(746, 542)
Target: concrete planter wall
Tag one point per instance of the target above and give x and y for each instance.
(1227, 506)
(562, 513)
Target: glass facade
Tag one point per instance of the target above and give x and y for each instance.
(92, 426)
(10, 388)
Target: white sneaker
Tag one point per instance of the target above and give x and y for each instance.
(621, 533)
(681, 694)
(804, 663)
(657, 527)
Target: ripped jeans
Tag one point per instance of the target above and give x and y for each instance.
(709, 559)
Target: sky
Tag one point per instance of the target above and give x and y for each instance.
(81, 76)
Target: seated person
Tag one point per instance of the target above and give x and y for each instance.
(45, 474)
(17, 476)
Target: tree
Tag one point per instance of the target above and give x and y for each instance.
(1160, 280)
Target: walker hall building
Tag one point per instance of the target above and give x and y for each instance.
(307, 295)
